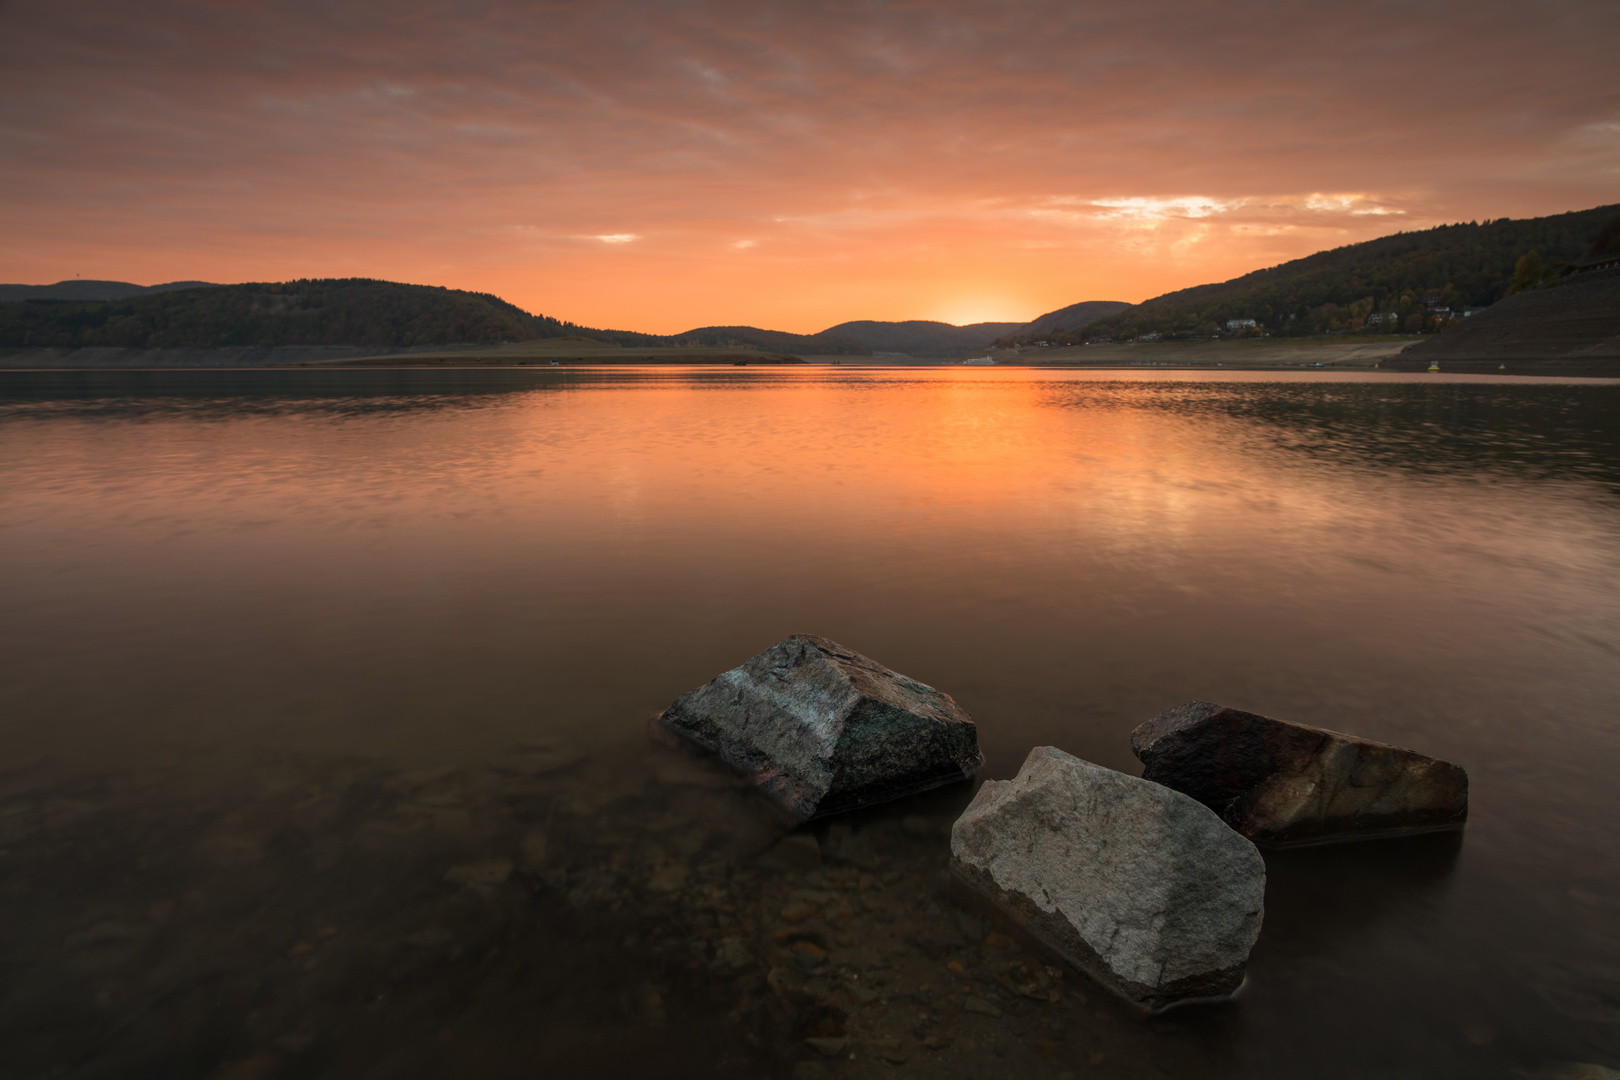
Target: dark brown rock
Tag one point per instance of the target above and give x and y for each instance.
(1280, 783)
(822, 729)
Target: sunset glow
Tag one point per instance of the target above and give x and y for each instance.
(782, 165)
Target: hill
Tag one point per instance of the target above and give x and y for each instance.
(1072, 317)
(91, 290)
(327, 312)
(826, 343)
(1411, 281)
(921, 337)
(338, 311)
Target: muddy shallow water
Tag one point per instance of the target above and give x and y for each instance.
(325, 702)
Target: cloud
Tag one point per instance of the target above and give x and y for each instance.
(1151, 209)
(879, 156)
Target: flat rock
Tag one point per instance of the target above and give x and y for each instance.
(1140, 887)
(1281, 784)
(821, 729)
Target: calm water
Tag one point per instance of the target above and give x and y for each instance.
(324, 703)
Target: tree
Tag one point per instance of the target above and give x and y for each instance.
(1607, 241)
(1527, 273)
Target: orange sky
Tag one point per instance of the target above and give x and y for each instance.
(661, 166)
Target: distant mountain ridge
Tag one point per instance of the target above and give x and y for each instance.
(825, 343)
(77, 289)
(367, 312)
(1073, 317)
(325, 312)
(922, 337)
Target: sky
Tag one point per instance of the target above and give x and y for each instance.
(659, 166)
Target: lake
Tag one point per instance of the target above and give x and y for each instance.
(324, 698)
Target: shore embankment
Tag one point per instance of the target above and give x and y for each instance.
(1572, 329)
(1241, 353)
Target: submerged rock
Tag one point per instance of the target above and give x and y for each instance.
(821, 729)
(1139, 886)
(1280, 783)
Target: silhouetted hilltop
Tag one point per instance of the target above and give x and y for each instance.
(921, 337)
(92, 290)
(1408, 282)
(826, 343)
(331, 311)
(1070, 318)
(328, 312)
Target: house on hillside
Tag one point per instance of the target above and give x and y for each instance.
(1601, 262)
(1241, 324)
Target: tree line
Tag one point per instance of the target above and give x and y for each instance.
(337, 311)
(328, 311)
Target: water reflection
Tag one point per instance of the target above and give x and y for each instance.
(324, 700)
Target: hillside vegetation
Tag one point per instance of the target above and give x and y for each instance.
(333, 311)
(1408, 282)
(1072, 317)
(826, 343)
(337, 311)
(77, 289)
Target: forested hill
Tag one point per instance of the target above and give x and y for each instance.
(1073, 316)
(332, 311)
(336, 311)
(92, 290)
(823, 344)
(1407, 276)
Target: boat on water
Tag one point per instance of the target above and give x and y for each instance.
(1434, 365)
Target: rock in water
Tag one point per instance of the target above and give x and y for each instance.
(1138, 886)
(822, 729)
(1281, 783)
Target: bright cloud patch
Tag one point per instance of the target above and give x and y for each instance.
(617, 238)
(1151, 209)
(1358, 203)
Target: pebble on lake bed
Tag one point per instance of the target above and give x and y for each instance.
(821, 729)
(1281, 784)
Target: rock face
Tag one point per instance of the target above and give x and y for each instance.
(1281, 783)
(822, 729)
(1138, 886)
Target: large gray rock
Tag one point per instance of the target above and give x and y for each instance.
(1139, 886)
(1283, 784)
(822, 729)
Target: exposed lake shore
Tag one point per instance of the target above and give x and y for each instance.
(1392, 353)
